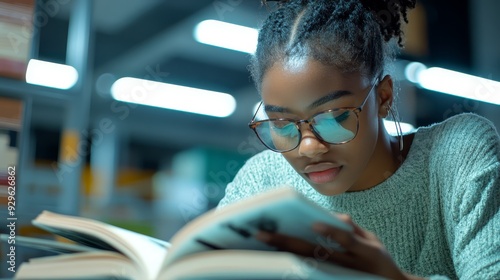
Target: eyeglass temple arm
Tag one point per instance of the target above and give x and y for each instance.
(368, 94)
(256, 111)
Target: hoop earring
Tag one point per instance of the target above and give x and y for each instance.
(398, 128)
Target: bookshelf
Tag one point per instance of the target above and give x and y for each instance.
(35, 185)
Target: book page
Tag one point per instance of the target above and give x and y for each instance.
(87, 265)
(147, 252)
(234, 227)
(238, 264)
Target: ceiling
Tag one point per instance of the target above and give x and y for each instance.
(153, 39)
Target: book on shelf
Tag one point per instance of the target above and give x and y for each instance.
(219, 244)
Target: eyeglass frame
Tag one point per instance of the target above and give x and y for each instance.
(356, 110)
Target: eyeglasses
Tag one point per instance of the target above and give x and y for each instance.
(335, 126)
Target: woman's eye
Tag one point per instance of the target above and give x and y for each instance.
(283, 128)
(332, 116)
(331, 119)
(280, 124)
(342, 117)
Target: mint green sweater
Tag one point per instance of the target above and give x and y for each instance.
(438, 215)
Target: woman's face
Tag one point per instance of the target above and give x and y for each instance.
(303, 89)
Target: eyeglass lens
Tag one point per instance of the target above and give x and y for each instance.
(335, 127)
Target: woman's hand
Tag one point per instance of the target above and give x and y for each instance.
(361, 249)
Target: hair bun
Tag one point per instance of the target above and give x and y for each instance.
(389, 14)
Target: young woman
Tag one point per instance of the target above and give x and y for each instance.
(424, 204)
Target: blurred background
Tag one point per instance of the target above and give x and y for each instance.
(84, 140)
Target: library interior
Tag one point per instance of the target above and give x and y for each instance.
(136, 112)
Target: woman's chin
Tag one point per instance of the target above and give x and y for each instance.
(329, 189)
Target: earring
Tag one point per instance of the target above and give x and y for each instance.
(395, 118)
(388, 109)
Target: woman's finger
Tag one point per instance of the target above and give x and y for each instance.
(348, 240)
(284, 242)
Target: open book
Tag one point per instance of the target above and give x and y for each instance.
(219, 244)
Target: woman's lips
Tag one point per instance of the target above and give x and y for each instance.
(322, 173)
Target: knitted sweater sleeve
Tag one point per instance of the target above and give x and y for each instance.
(470, 163)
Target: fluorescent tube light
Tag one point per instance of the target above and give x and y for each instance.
(390, 126)
(51, 74)
(454, 83)
(226, 35)
(412, 70)
(175, 97)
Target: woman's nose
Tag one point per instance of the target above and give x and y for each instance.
(310, 145)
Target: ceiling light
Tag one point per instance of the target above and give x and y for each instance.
(226, 35)
(390, 126)
(454, 83)
(175, 97)
(51, 74)
(412, 70)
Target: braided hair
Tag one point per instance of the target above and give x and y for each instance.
(353, 35)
